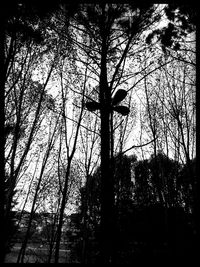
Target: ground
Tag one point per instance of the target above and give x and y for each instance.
(35, 253)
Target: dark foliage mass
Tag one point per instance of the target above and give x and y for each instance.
(143, 225)
(183, 20)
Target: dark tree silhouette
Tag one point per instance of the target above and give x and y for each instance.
(142, 225)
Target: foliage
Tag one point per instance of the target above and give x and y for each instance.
(142, 223)
(182, 21)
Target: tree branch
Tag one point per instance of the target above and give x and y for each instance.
(136, 146)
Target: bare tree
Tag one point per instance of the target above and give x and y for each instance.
(170, 108)
(109, 75)
(50, 143)
(23, 113)
(69, 145)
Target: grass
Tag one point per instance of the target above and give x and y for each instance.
(34, 254)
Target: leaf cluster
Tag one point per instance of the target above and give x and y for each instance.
(181, 22)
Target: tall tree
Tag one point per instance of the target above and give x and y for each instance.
(38, 188)
(70, 138)
(122, 198)
(102, 19)
(17, 27)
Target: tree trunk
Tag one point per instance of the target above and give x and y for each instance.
(106, 175)
(62, 209)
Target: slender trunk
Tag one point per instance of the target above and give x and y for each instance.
(62, 209)
(25, 242)
(85, 225)
(24, 245)
(28, 193)
(52, 240)
(153, 128)
(65, 191)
